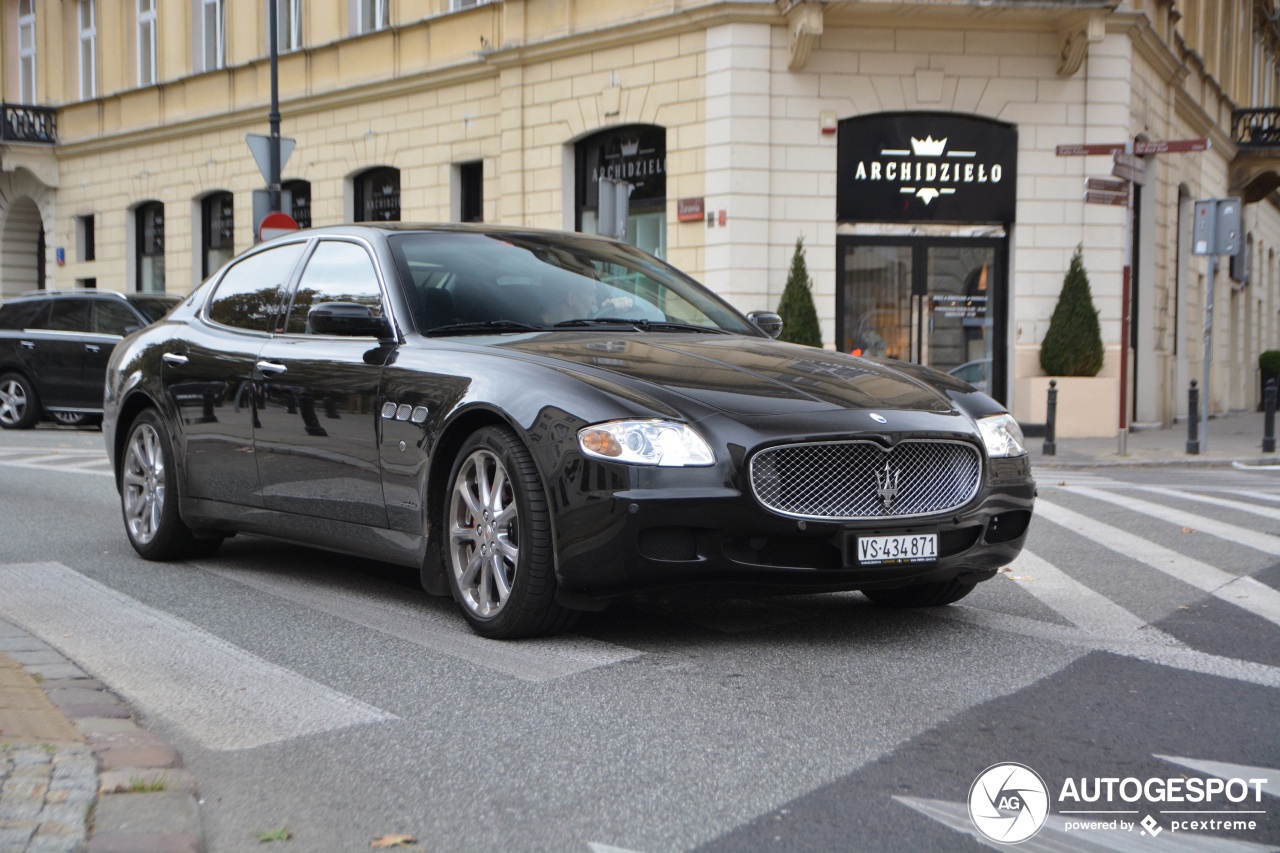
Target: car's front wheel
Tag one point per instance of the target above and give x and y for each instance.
(499, 547)
(19, 403)
(922, 594)
(149, 495)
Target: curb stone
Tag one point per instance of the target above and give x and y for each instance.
(121, 789)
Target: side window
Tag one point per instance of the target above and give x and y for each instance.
(249, 295)
(112, 318)
(69, 315)
(337, 272)
(24, 315)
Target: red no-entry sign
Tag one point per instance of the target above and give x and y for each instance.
(274, 224)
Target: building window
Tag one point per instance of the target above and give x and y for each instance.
(372, 15)
(146, 42)
(377, 194)
(455, 5)
(470, 178)
(87, 283)
(85, 238)
(218, 225)
(27, 51)
(299, 201)
(149, 227)
(88, 49)
(210, 29)
(288, 25)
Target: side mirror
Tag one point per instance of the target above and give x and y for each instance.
(349, 319)
(767, 322)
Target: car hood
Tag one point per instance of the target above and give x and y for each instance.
(738, 375)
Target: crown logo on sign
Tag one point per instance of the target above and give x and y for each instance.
(928, 147)
(630, 147)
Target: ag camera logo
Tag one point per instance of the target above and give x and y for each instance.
(1008, 803)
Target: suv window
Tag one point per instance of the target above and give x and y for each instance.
(113, 318)
(152, 307)
(24, 315)
(337, 272)
(69, 315)
(249, 295)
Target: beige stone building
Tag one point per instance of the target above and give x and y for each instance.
(923, 151)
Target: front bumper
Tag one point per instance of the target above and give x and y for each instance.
(627, 533)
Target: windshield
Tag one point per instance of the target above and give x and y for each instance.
(475, 282)
(154, 307)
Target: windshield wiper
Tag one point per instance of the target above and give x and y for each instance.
(639, 325)
(481, 328)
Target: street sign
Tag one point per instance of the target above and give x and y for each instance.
(1215, 227)
(275, 224)
(1106, 185)
(1130, 167)
(1088, 150)
(260, 148)
(1120, 199)
(1171, 146)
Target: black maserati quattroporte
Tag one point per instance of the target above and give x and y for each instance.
(542, 423)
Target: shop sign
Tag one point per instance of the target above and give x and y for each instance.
(690, 209)
(926, 167)
(634, 153)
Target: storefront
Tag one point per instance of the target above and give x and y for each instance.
(925, 205)
(630, 160)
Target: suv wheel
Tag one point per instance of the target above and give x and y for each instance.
(19, 405)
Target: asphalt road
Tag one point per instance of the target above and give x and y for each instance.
(1138, 638)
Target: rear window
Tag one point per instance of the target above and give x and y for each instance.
(23, 315)
(153, 308)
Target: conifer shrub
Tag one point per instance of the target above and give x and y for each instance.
(799, 316)
(1073, 344)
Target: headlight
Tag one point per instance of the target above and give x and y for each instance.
(665, 443)
(1002, 436)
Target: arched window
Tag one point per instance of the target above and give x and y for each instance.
(217, 228)
(377, 194)
(149, 228)
(300, 199)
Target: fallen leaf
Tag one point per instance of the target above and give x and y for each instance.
(385, 841)
(280, 834)
(1184, 607)
(1021, 578)
(1187, 530)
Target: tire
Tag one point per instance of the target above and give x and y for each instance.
(19, 403)
(498, 548)
(149, 495)
(936, 594)
(76, 419)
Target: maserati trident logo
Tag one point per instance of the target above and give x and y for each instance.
(887, 485)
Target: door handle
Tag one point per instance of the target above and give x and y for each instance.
(28, 345)
(92, 348)
(271, 368)
(174, 358)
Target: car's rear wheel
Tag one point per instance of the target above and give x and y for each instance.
(76, 419)
(149, 495)
(19, 403)
(498, 548)
(921, 594)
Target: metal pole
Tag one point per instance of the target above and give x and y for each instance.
(273, 118)
(1193, 419)
(1269, 418)
(1208, 353)
(1051, 415)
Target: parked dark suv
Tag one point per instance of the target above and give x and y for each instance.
(54, 346)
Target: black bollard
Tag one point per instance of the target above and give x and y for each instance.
(1269, 419)
(1193, 420)
(1051, 415)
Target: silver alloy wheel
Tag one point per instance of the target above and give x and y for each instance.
(13, 402)
(144, 487)
(484, 533)
(69, 418)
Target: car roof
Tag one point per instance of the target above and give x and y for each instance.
(91, 293)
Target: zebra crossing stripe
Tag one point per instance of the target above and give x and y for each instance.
(1244, 593)
(431, 624)
(1267, 543)
(221, 695)
(1238, 506)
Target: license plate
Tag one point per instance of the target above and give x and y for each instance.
(897, 550)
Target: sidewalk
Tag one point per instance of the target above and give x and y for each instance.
(1233, 439)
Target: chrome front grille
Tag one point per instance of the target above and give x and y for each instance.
(849, 480)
